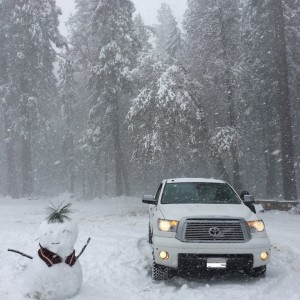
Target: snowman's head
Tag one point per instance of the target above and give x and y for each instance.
(59, 233)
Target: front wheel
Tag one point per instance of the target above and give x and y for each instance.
(259, 272)
(160, 273)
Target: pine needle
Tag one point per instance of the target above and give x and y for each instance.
(58, 214)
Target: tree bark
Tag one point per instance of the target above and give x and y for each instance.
(27, 172)
(72, 162)
(83, 181)
(118, 155)
(11, 179)
(125, 179)
(11, 174)
(222, 170)
(284, 106)
(271, 184)
(269, 146)
(106, 172)
(236, 175)
(68, 154)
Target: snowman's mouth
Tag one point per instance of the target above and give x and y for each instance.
(55, 243)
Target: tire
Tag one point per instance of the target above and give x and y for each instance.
(150, 236)
(259, 272)
(160, 273)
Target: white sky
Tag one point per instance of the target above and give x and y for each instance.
(147, 8)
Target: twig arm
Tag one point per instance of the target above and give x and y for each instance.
(83, 248)
(21, 253)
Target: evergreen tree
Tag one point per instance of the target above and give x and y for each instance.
(168, 126)
(81, 57)
(260, 78)
(212, 42)
(142, 32)
(31, 28)
(284, 105)
(113, 29)
(168, 35)
(270, 54)
(69, 97)
(8, 103)
(292, 25)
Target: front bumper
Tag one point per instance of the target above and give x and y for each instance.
(247, 253)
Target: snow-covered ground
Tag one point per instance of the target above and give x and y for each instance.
(116, 263)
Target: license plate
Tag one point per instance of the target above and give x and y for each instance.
(216, 263)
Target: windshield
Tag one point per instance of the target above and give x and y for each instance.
(199, 192)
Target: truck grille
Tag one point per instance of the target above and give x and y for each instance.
(215, 230)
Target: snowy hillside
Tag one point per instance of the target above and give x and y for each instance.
(116, 263)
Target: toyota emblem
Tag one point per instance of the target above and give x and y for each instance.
(214, 231)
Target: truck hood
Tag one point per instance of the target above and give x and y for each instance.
(178, 211)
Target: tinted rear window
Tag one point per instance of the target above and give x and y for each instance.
(199, 192)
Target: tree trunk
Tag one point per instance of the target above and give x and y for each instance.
(236, 175)
(118, 158)
(269, 146)
(106, 172)
(222, 170)
(83, 182)
(125, 179)
(72, 162)
(271, 184)
(68, 154)
(27, 172)
(284, 106)
(11, 179)
(72, 180)
(121, 176)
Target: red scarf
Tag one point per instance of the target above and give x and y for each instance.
(51, 258)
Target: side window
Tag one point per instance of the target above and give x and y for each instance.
(158, 192)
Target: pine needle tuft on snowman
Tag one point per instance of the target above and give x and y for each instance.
(55, 272)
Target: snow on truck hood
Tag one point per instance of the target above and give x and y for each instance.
(178, 211)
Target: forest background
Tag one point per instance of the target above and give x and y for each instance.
(118, 105)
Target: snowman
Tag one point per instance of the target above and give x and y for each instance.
(55, 272)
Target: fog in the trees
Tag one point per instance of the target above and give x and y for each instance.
(119, 102)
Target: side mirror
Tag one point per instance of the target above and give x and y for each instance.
(149, 199)
(248, 199)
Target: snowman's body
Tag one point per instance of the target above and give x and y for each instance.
(54, 273)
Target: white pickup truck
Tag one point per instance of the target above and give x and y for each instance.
(198, 224)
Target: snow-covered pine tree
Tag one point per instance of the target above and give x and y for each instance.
(269, 54)
(113, 30)
(221, 143)
(167, 126)
(142, 32)
(212, 43)
(69, 98)
(292, 27)
(82, 55)
(284, 104)
(8, 104)
(261, 123)
(167, 34)
(32, 27)
(83, 45)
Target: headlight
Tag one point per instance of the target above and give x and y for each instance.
(256, 226)
(167, 225)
